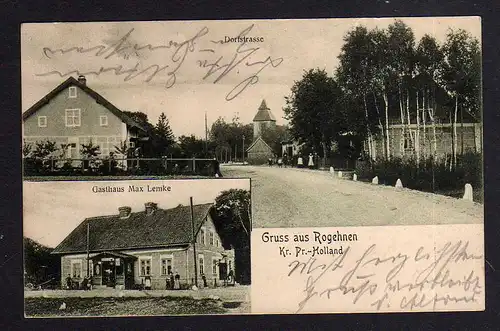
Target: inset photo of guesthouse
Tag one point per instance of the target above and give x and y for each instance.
(183, 243)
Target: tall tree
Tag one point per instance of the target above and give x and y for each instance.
(164, 132)
(355, 76)
(313, 111)
(462, 77)
(381, 79)
(428, 67)
(401, 42)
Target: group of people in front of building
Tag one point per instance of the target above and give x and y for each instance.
(311, 161)
(173, 282)
(85, 285)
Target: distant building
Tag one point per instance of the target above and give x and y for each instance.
(263, 120)
(259, 150)
(73, 114)
(132, 249)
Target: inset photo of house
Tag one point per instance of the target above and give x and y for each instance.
(154, 247)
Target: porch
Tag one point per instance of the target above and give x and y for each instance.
(113, 270)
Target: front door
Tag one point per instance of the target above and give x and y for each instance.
(108, 273)
(129, 274)
(222, 270)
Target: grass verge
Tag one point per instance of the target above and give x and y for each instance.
(81, 307)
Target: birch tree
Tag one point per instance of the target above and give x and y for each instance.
(461, 76)
(429, 62)
(355, 75)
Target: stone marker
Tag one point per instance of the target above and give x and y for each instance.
(468, 192)
(354, 177)
(375, 180)
(399, 184)
(340, 174)
(331, 170)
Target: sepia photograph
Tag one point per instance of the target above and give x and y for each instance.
(353, 138)
(376, 120)
(136, 247)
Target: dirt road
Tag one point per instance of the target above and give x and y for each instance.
(307, 198)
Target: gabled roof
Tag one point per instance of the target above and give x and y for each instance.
(259, 138)
(165, 227)
(71, 81)
(264, 113)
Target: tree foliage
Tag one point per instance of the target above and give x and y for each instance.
(39, 265)
(396, 79)
(314, 110)
(228, 137)
(275, 136)
(232, 217)
(164, 132)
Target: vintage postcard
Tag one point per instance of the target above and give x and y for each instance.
(362, 138)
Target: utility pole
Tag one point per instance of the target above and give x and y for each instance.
(243, 152)
(206, 133)
(194, 243)
(88, 249)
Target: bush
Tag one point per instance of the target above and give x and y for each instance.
(427, 175)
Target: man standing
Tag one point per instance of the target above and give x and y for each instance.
(69, 282)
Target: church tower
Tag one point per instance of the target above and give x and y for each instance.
(262, 120)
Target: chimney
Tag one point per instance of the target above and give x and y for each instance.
(82, 80)
(124, 211)
(150, 207)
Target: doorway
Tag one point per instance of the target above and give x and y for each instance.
(108, 273)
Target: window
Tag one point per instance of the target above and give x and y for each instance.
(217, 243)
(214, 266)
(166, 265)
(103, 120)
(202, 236)
(42, 121)
(72, 92)
(211, 236)
(407, 141)
(72, 118)
(145, 264)
(72, 151)
(201, 264)
(76, 268)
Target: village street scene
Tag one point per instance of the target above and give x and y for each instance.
(342, 123)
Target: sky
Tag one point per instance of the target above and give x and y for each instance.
(51, 210)
(188, 50)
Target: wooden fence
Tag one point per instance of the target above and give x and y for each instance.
(119, 166)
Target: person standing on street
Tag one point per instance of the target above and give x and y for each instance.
(310, 164)
(300, 162)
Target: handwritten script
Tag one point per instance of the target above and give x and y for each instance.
(217, 62)
(423, 279)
